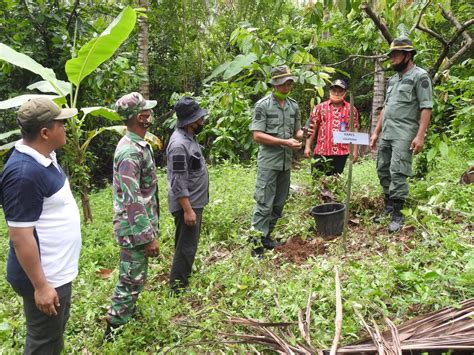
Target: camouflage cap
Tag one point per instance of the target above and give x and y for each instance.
(281, 74)
(132, 104)
(42, 110)
(401, 43)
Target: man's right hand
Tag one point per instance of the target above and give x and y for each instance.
(151, 249)
(373, 141)
(307, 152)
(293, 144)
(190, 217)
(46, 299)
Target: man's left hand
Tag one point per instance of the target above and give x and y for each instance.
(417, 145)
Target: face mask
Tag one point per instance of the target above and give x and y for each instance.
(400, 66)
(198, 129)
(279, 95)
(148, 123)
(336, 99)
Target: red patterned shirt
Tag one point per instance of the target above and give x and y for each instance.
(329, 118)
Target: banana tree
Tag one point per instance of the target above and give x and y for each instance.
(90, 57)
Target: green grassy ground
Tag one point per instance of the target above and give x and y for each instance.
(427, 267)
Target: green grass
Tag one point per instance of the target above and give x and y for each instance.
(423, 269)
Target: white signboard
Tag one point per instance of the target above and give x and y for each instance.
(351, 137)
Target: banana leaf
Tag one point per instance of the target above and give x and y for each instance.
(98, 50)
(23, 61)
(20, 100)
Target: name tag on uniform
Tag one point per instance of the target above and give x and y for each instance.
(350, 137)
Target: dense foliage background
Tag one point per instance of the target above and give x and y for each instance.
(222, 52)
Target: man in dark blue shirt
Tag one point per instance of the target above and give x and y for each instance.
(43, 224)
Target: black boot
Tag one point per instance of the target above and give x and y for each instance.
(387, 209)
(269, 243)
(397, 216)
(111, 332)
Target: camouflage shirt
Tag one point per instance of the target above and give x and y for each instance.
(135, 192)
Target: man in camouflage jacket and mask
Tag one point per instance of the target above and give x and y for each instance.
(136, 208)
(402, 127)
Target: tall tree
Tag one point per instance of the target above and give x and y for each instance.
(143, 49)
(379, 90)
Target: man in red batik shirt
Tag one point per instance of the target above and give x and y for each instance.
(331, 116)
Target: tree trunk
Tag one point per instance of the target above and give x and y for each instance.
(379, 91)
(86, 206)
(326, 17)
(143, 50)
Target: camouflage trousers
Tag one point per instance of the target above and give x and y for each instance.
(271, 192)
(133, 273)
(394, 160)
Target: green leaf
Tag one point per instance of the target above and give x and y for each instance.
(20, 100)
(408, 276)
(23, 61)
(6, 147)
(63, 87)
(8, 134)
(101, 112)
(443, 148)
(98, 50)
(303, 57)
(431, 275)
(238, 64)
(432, 153)
(220, 69)
(328, 69)
(341, 5)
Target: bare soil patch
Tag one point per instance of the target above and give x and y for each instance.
(297, 250)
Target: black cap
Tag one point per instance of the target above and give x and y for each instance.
(339, 82)
(188, 111)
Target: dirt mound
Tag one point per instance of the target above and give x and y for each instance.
(297, 250)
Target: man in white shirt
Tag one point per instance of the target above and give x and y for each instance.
(43, 223)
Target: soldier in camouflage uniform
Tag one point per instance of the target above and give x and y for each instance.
(135, 206)
(403, 123)
(276, 126)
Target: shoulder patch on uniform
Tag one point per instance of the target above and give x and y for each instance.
(179, 162)
(425, 83)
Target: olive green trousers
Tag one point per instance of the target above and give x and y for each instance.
(394, 167)
(271, 192)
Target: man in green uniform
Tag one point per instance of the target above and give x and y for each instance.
(136, 209)
(276, 126)
(402, 127)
